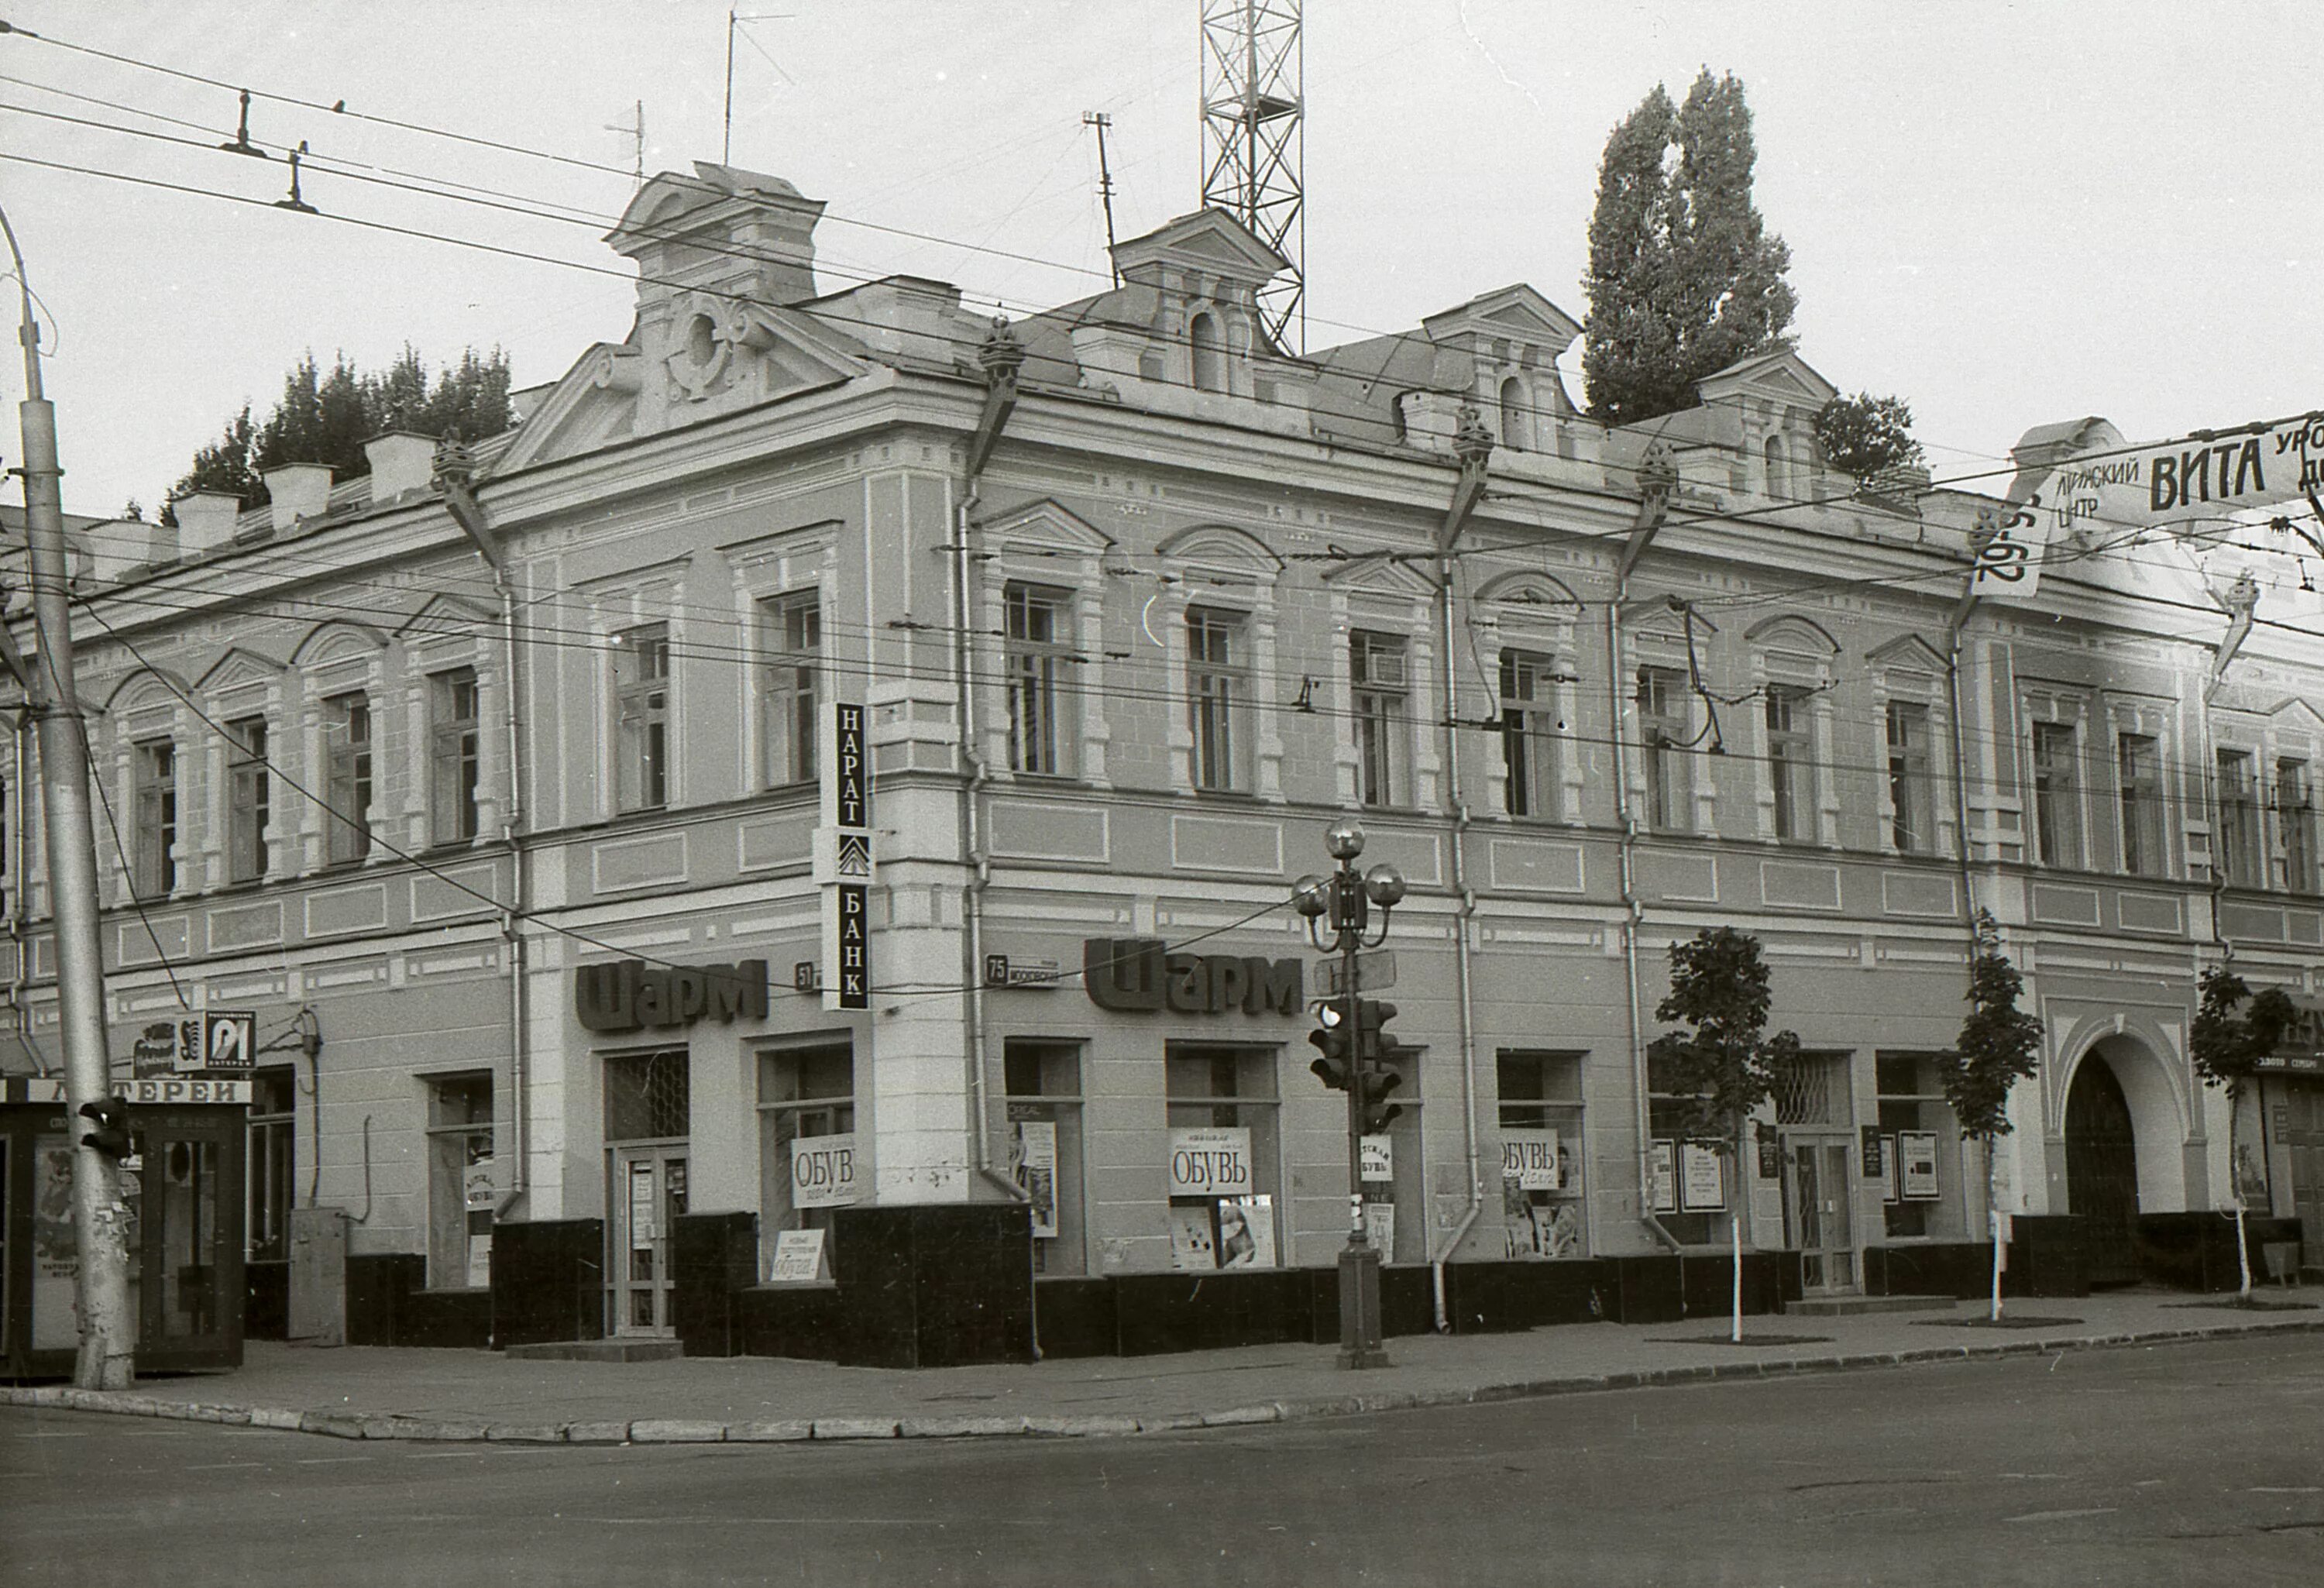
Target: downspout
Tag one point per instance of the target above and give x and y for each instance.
(454, 469)
(1000, 355)
(1472, 443)
(1657, 481)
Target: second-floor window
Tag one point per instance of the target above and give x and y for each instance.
(452, 745)
(1912, 821)
(249, 800)
(791, 642)
(1662, 731)
(2057, 795)
(2239, 792)
(1040, 671)
(347, 777)
(1375, 664)
(2139, 758)
(642, 709)
(153, 860)
(1528, 734)
(1218, 682)
(1791, 762)
(2295, 824)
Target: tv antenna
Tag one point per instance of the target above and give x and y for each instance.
(1100, 121)
(737, 23)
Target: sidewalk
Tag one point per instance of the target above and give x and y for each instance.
(377, 1393)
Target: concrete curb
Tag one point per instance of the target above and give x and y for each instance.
(363, 1424)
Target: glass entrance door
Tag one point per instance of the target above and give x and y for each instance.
(646, 1193)
(1816, 1214)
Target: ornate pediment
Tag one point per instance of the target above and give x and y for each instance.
(445, 617)
(1517, 314)
(1907, 650)
(1044, 528)
(1209, 241)
(1221, 546)
(1794, 634)
(337, 641)
(238, 669)
(1780, 376)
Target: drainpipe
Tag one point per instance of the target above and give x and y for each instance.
(1657, 481)
(1000, 356)
(454, 469)
(1472, 443)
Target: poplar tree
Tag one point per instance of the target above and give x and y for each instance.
(1999, 1044)
(1722, 1066)
(1684, 278)
(2226, 1043)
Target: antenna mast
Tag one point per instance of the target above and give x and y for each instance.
(1253, 141)
(1100, 121)
(735, 21)
(636, 129)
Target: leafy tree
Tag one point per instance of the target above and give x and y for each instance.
(2226, 1043)
(1722, 1066)
(1684, 279)
(326, 415)
(1863, 437)
(1999, 1044)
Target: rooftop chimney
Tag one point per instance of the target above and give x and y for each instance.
(401, 461)
(300, 490)
(204, 521)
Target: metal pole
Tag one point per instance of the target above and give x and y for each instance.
(1348, 882)
(726, 142)
(108, 1332)
(1361, 1329)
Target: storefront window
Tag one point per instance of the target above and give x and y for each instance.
(1668, 1195)
(1224, 1165)
(1043, 1083)
(459, 1201)
(1913, 1110)
(274, 1113)
(807, 1133)
(1541, 1153)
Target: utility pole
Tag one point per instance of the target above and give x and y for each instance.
(1100, 121)
(108, 1341)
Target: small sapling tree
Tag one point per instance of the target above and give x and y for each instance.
(1999, 1044)
(1721, 1065)
(2225, 1044)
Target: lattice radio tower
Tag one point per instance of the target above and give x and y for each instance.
(1253, 141)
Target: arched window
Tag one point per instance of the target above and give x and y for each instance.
(1515, 432)
(1775, 466)
(1210, 359)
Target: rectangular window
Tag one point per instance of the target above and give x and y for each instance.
(2139, 758)
(1375, 664)
(1791, 762)
(452, 745)
(249, 793)
(1912, 1097)
(1912, 804)
(273, 1114)
(459, 1137)
(1217, 1086)
(1039, 663)
(1666, 1113)
(1217, 687)
(347, 777)
(2239, 790)
(642, 709)
(153, 840)
(803, 1093)
(2295, 825)
(1528, 734)
(2057, 794)
(1663, 735)
(1540, 1104)
(791, 644)
(1043, 1084)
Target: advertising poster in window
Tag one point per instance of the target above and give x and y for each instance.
(1033, 1165)
(1918, 1152)
(1662, 1171)
(1888, 1189)
(1530, 1158)
(1380, 1228)
(1192, 1243)
(1210, 1160)
(1247, 1233)
(56, 1251)
(798, 1258)
(823, 1170)
(480, 1262)
(1700, 1188)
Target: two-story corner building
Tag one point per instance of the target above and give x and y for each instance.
(1135, 604)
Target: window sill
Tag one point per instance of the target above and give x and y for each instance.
(794, 1285)
(455, 1290)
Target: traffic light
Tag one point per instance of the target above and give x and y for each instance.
(1336, 1045)
(1377, 1112)
(111, 1136)
(1373, 1043)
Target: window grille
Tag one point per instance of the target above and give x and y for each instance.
(647, 1095)
(1804, 1092)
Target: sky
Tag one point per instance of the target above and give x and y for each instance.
(2005, 214)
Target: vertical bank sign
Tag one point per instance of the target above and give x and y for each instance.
(842, 856)
(2206, 475)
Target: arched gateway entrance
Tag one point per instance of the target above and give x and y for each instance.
(2102, 1173)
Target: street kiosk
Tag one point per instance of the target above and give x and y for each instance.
(184, 1186)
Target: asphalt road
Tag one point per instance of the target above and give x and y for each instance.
(2176, 1464)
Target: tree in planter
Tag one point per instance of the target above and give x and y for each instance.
(1722, 1066)
(2225, 1044)
(1999, 1044)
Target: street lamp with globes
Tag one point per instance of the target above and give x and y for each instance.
(1338, 912)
